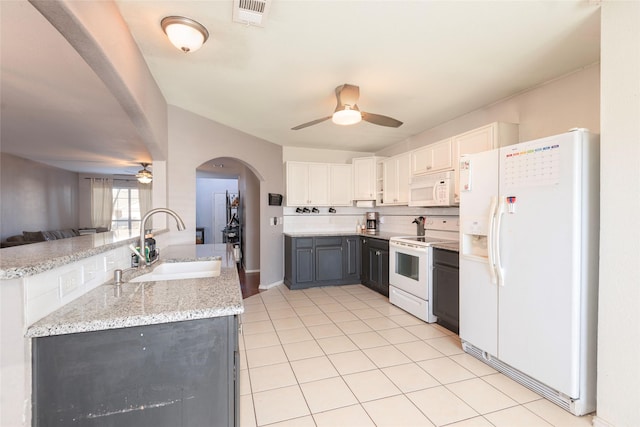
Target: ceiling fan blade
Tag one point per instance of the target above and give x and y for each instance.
(311, 123)
(347, 95)
(378, 119)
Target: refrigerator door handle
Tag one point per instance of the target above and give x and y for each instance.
(496, 245)
(491, 240)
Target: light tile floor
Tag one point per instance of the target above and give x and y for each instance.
(344, 356)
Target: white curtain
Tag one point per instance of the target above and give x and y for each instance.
(144, 196)
(101, 202)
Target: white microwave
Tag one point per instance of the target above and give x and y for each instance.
(435, 189)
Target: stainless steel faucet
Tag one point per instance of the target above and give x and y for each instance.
(143, 259)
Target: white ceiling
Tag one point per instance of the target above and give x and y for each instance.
(54, 109)
(421, 62)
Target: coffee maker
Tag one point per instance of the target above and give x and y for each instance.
(372, 222)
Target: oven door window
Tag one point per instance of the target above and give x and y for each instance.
(408, 265)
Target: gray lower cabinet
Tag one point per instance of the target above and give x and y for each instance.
(303, 269)
(328, 259)
(375, 264)
(321, 261)
(351, 260)
(446, 288)
(171, 374)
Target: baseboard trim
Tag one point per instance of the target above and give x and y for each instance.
(270, 285)
(599, 422)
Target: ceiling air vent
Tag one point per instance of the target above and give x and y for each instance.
(251, 12)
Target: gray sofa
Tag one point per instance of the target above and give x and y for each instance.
(38, 236)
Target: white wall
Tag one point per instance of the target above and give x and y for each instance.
(302, 154)
(36, 197)
(100, 35)
(619, 300)
(194, 139)
(552, 108)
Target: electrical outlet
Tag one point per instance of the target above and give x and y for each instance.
(109, 262)
(90, 270)
(69, 282)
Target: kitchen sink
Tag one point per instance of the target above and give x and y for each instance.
(182, 270)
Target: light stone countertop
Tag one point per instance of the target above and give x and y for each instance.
(382, 235)
(36, 258)
(146, 303)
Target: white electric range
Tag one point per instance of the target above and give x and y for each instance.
(411, 266)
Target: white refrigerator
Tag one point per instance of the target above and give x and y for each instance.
(529, 230)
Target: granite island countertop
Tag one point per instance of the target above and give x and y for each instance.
(146, 303)
(36, 258)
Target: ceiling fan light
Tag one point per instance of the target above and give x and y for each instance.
(184, 33)
(347, 116)
(144, 175)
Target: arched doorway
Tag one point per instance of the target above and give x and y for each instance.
(217, 178)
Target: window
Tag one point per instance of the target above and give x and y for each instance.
(126, 208)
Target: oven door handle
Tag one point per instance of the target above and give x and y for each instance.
(402, 247)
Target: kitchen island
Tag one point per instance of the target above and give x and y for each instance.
(160, 353)
(36, 258)
(147, 303)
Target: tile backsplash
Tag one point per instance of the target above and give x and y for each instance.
(396, 219)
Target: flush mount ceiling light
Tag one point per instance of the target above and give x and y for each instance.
(346, 116)
(144, 176)
(185, 34)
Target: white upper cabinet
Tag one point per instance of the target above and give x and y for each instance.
(307, 184)
(340, 189)
(364, 178)
(484, 138)
(396, 172)
(297, 184)
(318, 184)
(432, 158)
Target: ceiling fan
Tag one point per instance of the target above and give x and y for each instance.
(348, 113)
